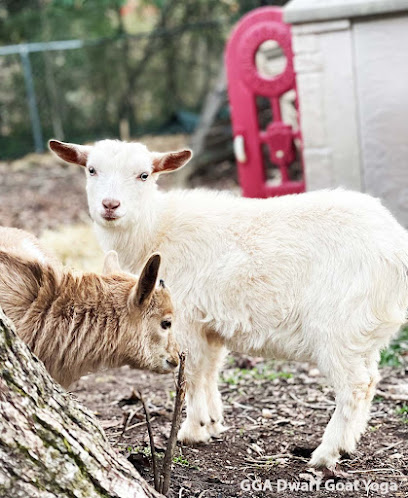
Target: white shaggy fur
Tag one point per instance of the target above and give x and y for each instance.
(318, 277)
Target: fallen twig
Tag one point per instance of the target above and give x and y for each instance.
(310, 405)
(151, 439)
(367, 471)
(252, 420)
(392, 396)
(268, 458)
(175, 425)
(127, 419)
(243, 407)
(139, 424)
(390, 446)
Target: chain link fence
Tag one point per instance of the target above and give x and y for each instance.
(81, 91)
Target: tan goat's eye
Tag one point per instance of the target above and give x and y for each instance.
(165, 324)
(144, 176)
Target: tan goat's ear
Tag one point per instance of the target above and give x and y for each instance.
(111, 263)
(71, 153)
(147, 280)
(170, 161)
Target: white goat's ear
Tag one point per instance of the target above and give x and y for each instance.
(111, 263)
(170, 161)
(71, 153)
(147, 280)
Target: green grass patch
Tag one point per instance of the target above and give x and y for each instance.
(393, 355)
(403, 413)
(182, 460)
(235, 376)
(145, 450)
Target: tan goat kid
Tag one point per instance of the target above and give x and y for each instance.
(81, 322)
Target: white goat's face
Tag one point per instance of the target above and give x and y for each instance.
(119, 179)
(121, 176)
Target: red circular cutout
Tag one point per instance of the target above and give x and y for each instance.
(248, 45)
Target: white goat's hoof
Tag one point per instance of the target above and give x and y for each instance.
(324, 458)
(193, 433)
(215, 429)
(338, 472)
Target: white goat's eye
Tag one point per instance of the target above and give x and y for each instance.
(92, 171)
(144, 176)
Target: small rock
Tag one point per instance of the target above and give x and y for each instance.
(266, 413)
(397, 455)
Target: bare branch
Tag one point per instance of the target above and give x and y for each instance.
(152, 447)
(175, 425)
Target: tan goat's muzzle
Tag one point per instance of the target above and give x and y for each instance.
(171, 363)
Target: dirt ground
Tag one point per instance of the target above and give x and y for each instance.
(276, 412)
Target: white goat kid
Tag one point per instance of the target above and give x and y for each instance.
(319, 277)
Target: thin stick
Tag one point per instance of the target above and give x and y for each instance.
(387, 448)
(127, 419)
(152, 448)
(139, 424)
(175, 425)
(366, 471)
(310, 405)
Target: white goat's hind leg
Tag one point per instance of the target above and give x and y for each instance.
(353, 388)
(372, 365)
(384, 333)
(217, 353)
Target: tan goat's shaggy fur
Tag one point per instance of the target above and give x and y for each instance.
(78, 323)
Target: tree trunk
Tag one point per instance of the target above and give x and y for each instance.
(50, 446)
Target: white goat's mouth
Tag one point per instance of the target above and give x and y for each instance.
(110, 216)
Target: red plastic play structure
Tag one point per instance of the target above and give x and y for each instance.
(244, 84)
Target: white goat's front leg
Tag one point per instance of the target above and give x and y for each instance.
(204, 406)
(355, 386)
(217, 353)
(195, 428)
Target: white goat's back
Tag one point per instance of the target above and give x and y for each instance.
(257, 270)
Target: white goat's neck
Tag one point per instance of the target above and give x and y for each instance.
(141, 237)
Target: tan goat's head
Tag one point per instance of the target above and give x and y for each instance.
(146, 339)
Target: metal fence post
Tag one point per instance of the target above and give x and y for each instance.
(32, 101)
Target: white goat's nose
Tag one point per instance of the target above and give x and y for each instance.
(110, 203)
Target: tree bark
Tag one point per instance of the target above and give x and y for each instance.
(50, 446)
